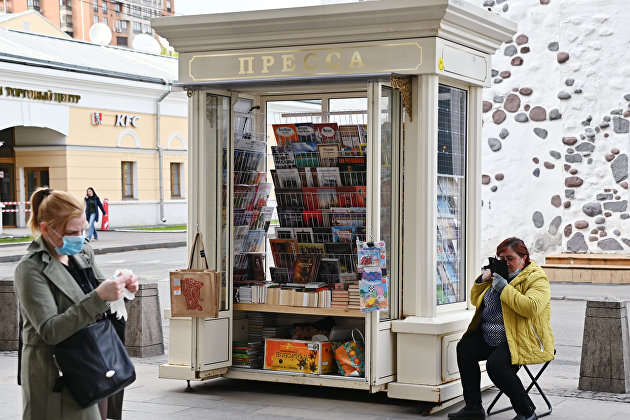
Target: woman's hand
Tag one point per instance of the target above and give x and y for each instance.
(487, 276)
(131, 282)
(112, 289)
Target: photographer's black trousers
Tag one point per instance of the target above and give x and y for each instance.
(470, 350)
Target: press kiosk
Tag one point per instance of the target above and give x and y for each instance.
(311, 128)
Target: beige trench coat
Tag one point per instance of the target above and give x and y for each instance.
(53, 308)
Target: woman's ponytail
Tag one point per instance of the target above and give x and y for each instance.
(52, 207)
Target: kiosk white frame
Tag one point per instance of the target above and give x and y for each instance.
(330, 50)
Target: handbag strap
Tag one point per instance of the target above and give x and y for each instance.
(357, 330)
(202, 251)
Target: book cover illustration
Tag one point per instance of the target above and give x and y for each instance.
(306, 268)
(327, 132)
(305, 154)
(343, 233)
(283, 157)
(306, 132)
(373, 290)
(256, 267)
(371, 256)
(286, 134)
(284, 252)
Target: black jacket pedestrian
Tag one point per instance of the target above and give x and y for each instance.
(97, 204)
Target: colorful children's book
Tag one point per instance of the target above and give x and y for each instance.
(343, 233)
(373, 290)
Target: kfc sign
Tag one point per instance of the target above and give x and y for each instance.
(126, 120)
(97, 118)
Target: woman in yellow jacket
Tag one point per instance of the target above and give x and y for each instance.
(510, 328)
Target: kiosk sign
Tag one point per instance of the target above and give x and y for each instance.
(356, 59)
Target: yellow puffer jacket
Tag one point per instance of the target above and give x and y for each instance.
(526, 312)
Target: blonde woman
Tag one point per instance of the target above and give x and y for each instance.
(60, 291)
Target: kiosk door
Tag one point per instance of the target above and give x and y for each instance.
(384, 186)
(212, 211)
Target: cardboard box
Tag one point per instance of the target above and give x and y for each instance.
(299, 356)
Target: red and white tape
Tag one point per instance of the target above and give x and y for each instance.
(14, 203)
(15, 211)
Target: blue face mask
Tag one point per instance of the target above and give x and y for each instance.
(71, 244)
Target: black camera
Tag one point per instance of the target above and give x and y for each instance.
(498, 266)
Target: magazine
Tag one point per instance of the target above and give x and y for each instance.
(306, 132)
(283, 157)
(305, 154)
(288, 178)
(327, 132)
(286, 134)
(328, 177)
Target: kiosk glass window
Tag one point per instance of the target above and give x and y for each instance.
(451, 159)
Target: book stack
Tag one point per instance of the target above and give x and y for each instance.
(354, 299)
(247, 355)
(340, 299)
(244, 294)
(257, 322)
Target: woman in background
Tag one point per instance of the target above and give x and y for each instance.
(92, 204)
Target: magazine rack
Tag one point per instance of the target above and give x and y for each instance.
(305, 138)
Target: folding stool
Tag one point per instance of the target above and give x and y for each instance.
(532, 384)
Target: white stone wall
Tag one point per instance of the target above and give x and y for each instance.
(556, 128)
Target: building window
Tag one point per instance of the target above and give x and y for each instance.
(176, 179)
(123, 25)
(147, 29)
(168, 5)
(128, 174)
(117, 8)
(121, 41)
(95, 19)
(105, 21)
(95, 6)
(137, 26)
(104, 6)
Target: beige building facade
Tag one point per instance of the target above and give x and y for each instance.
(84, 121)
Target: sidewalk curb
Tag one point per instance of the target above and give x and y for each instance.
(112, 249)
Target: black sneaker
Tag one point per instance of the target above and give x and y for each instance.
(468, 413)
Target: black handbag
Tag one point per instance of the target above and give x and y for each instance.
(93, 364)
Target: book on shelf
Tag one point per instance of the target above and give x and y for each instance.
(306, 268)
(290, 197)
(329, 270)
(283, 157)
(351, 196)
(305, 154)
(287, 178)
(303, 234)
(328, 154)
(286, 134)
(326, 132)
(310, 248)
(349, 136)
(328, 177)
(284, 252)
(284, 233)
(312, 218)
(308, 176)
(352, 170)
(254, 241)
(322, 234)
(262, 195)
(279, 275)
(343, 234)
(290, 216)
(256, 267)
(343, 252)
(306, 132)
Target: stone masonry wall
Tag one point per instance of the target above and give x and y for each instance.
(556, 128)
